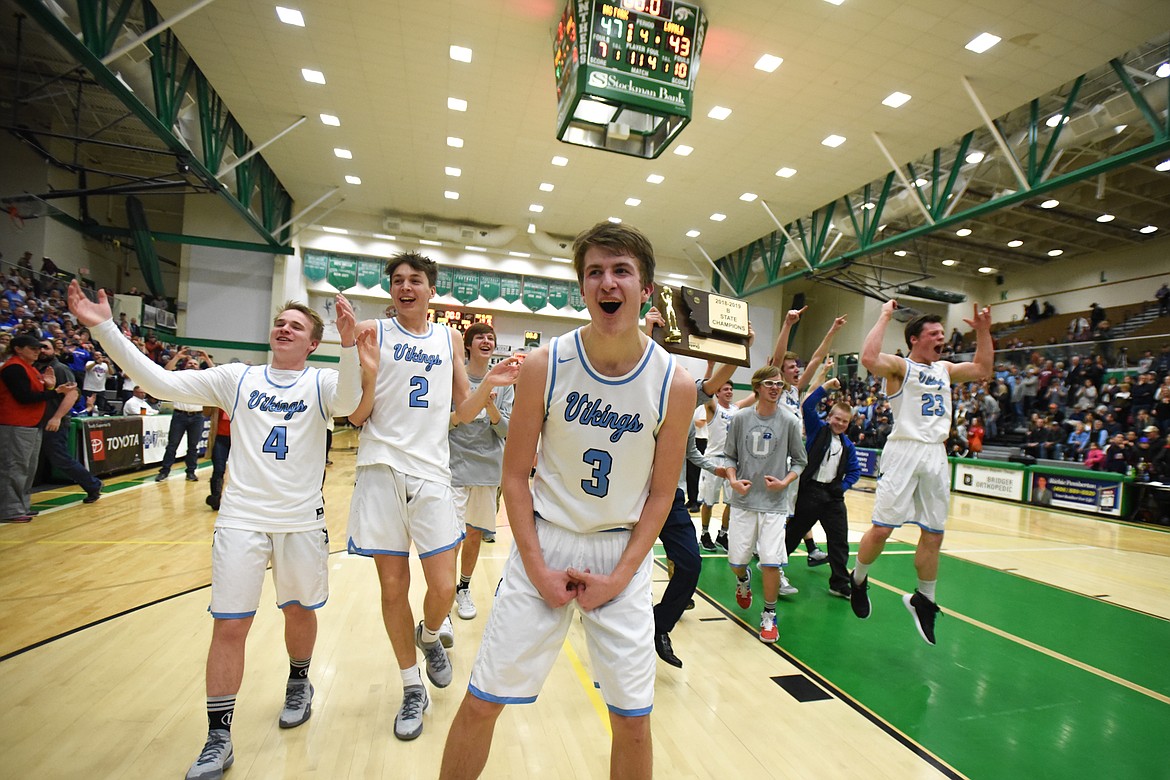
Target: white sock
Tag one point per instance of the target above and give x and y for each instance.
(411, 676)
(860, 572)
(926, 588)
(429, 636)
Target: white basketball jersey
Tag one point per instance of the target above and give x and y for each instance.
(790, 400)
(407, 429)
(597, 443)
(922, 407)
(278, 451)
(717, 429)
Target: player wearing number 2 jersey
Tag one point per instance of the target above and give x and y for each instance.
(402, 492)
(611, 411)
(914, 486)
(272, 510)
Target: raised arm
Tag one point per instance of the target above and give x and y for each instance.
(981, 366)
(875, 361)
(790, 319)
(468, 404)
(723, 371)
(818, 357)
(369, 356)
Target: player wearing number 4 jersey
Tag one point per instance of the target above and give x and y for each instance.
(402, 493)
(611, 411)
(272, 511)
(914, 486)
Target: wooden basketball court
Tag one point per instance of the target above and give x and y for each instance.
(1049, 661)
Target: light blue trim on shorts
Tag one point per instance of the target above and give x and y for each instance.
(769, 566)
(299, 604)
(638, 713)
(231, 615)
(353, 549)
(453, 545)
(479, 528)
(477, 693)
(911, 522)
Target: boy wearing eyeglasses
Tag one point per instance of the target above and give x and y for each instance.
(766, 455)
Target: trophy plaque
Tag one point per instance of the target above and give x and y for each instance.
(702, 324)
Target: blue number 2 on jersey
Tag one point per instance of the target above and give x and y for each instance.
(419, 389)
(602, 462)
(933, 405)
(275, 443)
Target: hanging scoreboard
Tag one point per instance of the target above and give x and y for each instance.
(625, 73)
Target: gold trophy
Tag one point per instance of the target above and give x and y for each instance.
(673, 332)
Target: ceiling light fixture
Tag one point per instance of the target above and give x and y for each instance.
(833, 141)
(976, 157)
(561, 259)
(531, 228)
(786, 173)
(963, 232)
(456, 104)
(948, 263)
(1163, 166)
(1148, 229)
(520, 254)
(986, 270)
(329, 119)
(475, 248)
(313, 76)
(719, 112)
(559, 161)
(677, 276)
(1163, 70)
(1055, 252)
(693, 234)
(344, 154)
(900, 253)
(290, 16)
(1050, 204)
(896, 100)
(633, 202)
(1015, 242)
(1056, 119)
(385, 237)
(1106, 218)
(460, 54)
(682, 150)
(655, 178)
(546, 187)
(428, 242)
(338, 231)
(456, 172)
(982, 42)
(616, 220)
(768, 63)
(454, 143)
(717, 217)
(748, 197)
(536, 208)
(352, 180)
(450, 195)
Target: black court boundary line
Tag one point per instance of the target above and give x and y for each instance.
(857, 706)
(115, 616)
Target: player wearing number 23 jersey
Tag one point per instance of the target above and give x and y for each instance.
(922, 407)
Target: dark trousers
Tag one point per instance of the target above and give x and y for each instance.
(682, 547)
(55, 449)
(219, 459)
(693, 475)
(189, 424)
(813, 503)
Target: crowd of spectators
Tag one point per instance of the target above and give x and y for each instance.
(33, 303)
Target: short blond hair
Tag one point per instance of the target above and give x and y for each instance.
(318, 324)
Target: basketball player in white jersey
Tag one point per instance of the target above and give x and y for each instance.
(272, 511)
(611, 410)
(914, 484)
(402, 492)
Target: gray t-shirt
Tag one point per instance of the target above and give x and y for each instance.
(477, 447)
(758, 446)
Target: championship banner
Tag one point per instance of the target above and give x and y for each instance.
(1081, 494)
(342, 273)
(112, 444)
(982, 480)
(465, 285)
(489, 285)
(576, 300)
(535, 293)
(316, 266)
(445, 280)
(369, 273)
(558, 293)
(510, 287)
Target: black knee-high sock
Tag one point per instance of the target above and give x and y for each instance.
(298, 670)
(219, 712)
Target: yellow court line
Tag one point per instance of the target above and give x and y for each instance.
(1045, 650)
(590, 691)
(106, 541)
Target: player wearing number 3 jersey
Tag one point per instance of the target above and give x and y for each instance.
(272, 510)
(611, 411)
(914, 484)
